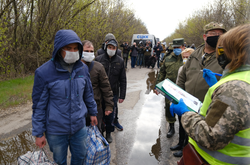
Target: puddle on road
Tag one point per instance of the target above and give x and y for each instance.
(12, 148)
(147, 146)
(151, 81)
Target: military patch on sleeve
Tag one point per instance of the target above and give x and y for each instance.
(216, 111)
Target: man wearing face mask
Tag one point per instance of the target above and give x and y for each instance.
(100, 83)
(191, 77)
(108, 37)
(169, 70)
(114, 67)
(62, 96)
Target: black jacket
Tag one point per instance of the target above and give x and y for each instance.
(134, 51)
(125, 48)
(116, 73)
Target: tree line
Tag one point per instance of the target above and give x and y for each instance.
(230, 13)
(28, 27)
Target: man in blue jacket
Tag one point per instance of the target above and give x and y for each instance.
(62, 97)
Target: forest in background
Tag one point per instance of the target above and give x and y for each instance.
(231, 13)
(28, 28)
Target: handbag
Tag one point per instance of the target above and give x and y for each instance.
(98, 148)
(191, 157)
(35, 158)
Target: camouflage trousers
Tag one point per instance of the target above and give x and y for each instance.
(169, 117)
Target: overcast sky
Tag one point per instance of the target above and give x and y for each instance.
(163, 16)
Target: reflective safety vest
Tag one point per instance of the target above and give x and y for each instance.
(238, 150)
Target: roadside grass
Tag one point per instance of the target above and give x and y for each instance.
(16, 91)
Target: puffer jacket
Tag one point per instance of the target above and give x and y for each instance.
(62, 99)
(115, 70)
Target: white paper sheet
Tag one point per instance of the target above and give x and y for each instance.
(191, 101)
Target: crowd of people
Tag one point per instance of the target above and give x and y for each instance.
(78, 88)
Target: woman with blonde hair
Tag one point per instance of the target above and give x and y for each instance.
(220, 133)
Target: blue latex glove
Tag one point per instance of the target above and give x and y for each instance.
(179, 108)
(209, 76)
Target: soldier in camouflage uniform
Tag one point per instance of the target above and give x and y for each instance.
(190, 78)
(224, 120)
(169, 70)
(169, 50)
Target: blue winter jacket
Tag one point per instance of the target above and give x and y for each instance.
(62, 99)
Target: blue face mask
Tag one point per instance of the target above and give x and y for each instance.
(177, 51)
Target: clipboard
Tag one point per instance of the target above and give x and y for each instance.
(174, 93)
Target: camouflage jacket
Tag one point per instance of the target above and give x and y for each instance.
(170, 67)
(233, 100)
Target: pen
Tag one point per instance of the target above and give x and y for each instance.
(217, 74)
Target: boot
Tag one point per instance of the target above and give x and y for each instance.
(171, 130)
(178, 154)
(177, 147)
(109, 137)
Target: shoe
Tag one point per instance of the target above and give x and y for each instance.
(171, 130)
(109, 137)
(176, 147)
(178, 154)
(118, 126)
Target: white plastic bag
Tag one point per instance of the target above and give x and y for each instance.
(34, 158)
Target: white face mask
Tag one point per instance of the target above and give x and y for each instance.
(184, 60)
(111, 52)
(88, 56)
(71, 57)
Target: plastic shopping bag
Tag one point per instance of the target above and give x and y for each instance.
(98, 148)
(34, 158)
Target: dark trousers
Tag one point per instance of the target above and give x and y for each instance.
(113, 117)
(139, 59)
(125, 59)
(183, 138)
(147, 62)
(158, 60)
(133, 60)
(169, 117)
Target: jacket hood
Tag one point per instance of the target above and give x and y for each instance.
(66, 37)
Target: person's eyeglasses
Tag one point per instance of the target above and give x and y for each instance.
(214, 34)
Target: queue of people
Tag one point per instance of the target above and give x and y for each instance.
(75, 83)
(71, 86)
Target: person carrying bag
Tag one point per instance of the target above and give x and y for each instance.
(98, 148)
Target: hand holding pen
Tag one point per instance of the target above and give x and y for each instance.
(209, 76)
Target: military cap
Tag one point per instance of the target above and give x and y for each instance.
(109, 36)
(214, 25)
(178, 42)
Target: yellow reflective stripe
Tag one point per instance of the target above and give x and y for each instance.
(244, 133)
(239, 151)
(225, 158)
(207, 157)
